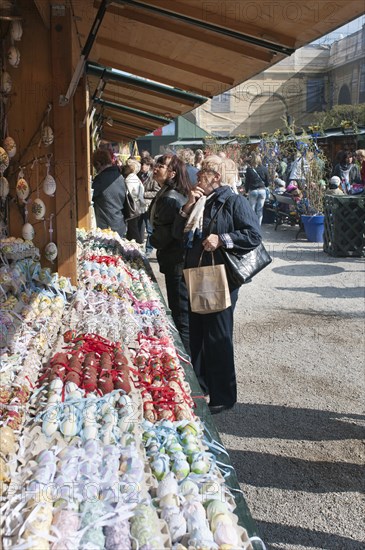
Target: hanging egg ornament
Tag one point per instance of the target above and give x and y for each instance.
(4, 187)
(10, 146)
(16, 30)
(49, 185)
(22, 189)
(38, 209)
(5, 83)
(4, 160)
(13, 56)
(28, 232)
(51, 251)
(47, 136)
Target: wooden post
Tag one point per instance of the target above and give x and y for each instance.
(64, 150)
(82, 149)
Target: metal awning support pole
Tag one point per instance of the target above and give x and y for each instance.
(132, 111)
(64, 99)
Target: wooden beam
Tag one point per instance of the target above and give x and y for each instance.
(44, 11)
(152, 93)
(118, 138)
(162, 79)
(128, 49)
(123, 130)
(82, 155)
(128, 118)
(185, 30)
(63, 146)
(131, 101)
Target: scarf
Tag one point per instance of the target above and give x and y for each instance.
(194, 225)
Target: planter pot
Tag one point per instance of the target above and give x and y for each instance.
(314, 227)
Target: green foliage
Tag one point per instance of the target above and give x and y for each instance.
(335, 117)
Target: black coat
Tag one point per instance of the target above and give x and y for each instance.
(162, 213)
(108, 199)
(256, 178)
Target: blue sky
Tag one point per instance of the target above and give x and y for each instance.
(345, 30)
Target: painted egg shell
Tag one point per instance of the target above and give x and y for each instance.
(28, 232)
(47, 136)
(51, 251)
(4, 160)
(4, 187)
(6, 83)
(10, 146)
(14, 56)
(49, 185)
(22, 188)
(7, 440)
(16, 31)
(38, 209)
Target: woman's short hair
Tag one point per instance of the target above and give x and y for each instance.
(134, 165)
(101, 157)
(216, 164)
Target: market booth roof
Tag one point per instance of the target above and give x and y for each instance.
(144, 55)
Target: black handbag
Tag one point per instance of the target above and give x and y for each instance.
(131, 208)
(241, 269)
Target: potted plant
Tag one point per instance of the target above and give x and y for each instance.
(313, 210)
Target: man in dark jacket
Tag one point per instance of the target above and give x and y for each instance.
(108, 193)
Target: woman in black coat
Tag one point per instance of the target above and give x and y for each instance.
(235, 226)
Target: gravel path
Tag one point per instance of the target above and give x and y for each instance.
(295, 436)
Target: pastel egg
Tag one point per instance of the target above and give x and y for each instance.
(22, 189)
(16, 30)
(14, 56)
(10, 146)
(4, 160)
(49, 185)
(51, 251)
(4, 187)
(5, 83)
(7, 440)
(47, 136)
(38, 209)
(28, 231)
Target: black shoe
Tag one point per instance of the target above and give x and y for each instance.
(216, 409)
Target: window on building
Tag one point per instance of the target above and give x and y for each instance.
(344, 97)
(221, 103)
(362, 83)
(315, 94)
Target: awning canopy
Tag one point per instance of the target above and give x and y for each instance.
(190, 49)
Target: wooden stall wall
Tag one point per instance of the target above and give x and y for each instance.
(26, 108)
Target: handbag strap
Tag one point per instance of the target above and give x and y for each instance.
(201, 258)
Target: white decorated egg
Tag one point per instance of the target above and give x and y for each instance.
(51, 251)
(4, 187)
(49, 185)
(28, 232)
(47, 136)
(22, 189)
(38, 209)
(16, 30)
(4, 160)
(10, 146)
(14, 56)
(5, 83)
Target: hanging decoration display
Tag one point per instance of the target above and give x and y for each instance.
(49, 183)
(51, 250)
(28, 231)
(22, 188)
(47, 135)
(38, 206)
(4, 187)
(16, 30)
(13, 57)
(4, 160)
(6, 84)
(10, 146)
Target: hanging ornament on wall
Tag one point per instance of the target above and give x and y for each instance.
(5, 83)
(49, 183)
(16, 31)
(22, 188)
(4, 160)
(10, 146)
(38, 206)
(50, 250)
(47, 136)
(4, 187)
(28, 231)
(14, 57)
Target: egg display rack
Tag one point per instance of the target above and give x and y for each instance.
(12, 248)
(112, 453)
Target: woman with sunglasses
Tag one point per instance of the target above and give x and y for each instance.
(171, 175)
(214, 217)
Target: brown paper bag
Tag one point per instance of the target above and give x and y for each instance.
(208, 289)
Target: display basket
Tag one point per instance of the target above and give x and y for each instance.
(344, 230)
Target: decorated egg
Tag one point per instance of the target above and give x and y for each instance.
(10, 146)
(49, 185)
(14, 56)
(4, 187)
(7, 440)
(5, 83)
(51, 251)
(47, 136)
(38, 209)
(22, 189)
(4, 160)
(28, 232)
(16, 30)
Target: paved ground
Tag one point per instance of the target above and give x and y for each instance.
(295, 437)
